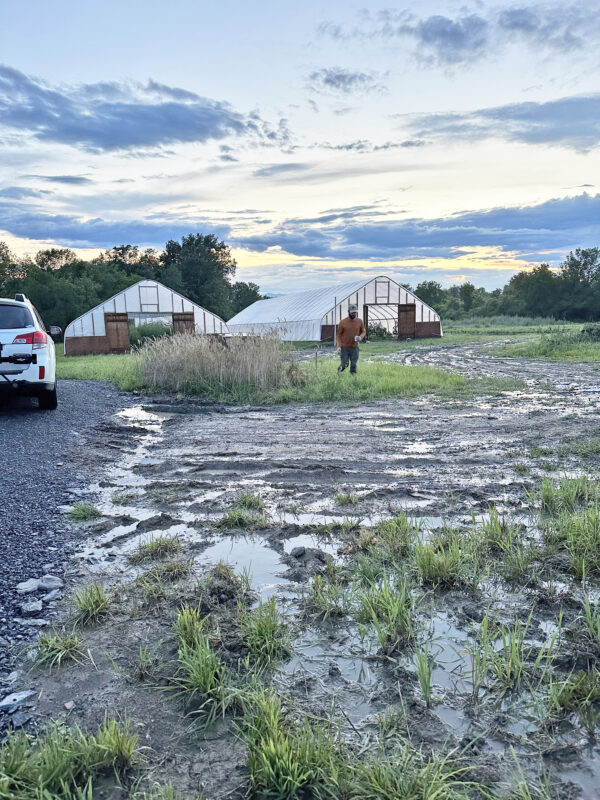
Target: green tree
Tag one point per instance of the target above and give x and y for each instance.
(243, 295)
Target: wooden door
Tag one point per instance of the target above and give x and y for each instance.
(183, 322)
(117, 332)
(407, 317)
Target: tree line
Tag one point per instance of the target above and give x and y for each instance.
(569, 292)
(63, 286)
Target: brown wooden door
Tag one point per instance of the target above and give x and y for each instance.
(407, 318)
(183, 322)
(117, 332)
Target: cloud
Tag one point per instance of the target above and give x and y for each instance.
(572, 122)
(279, 169)
(344, 81)
(122, 116)
(20, 192)
(366, 146)
(69, 179)
(555, 225)
(467, 37)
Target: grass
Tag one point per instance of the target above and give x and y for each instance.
(346, 499)
(92, 603)
(259, 371)
(567, 495)
(84, 511)
(579, 534)
(424, 665)
(58, 647)
(440, 564)
(61, 764)
(155, 548)
(326, 598)
(264, 633)
(190, 627)
(202, 679)
(563, 344)
(250, 501)
(390, 608)
(154, 581)
(241, 519)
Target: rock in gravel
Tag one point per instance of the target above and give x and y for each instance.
(55, 594)
(49, 582)
(15, 700)
(19, 719)
(32, 608)
(26, 587)
(32, 622)
(70, 705)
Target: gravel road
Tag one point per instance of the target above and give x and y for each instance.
(36, 477)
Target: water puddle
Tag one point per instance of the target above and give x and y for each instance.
(249, 554)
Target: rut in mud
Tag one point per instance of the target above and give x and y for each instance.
(175, 468)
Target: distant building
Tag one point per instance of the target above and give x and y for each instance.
(311, 315)
(105, 328)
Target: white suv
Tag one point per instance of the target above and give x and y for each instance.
(27, 357)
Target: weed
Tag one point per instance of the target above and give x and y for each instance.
(390, 608)
(154, 548)
(498, 533)
(540, 452)
(325, 598)
(190, 627)
(121, 499)
(265, 635)
(166, 792)
(250, 501)
(116, 744)
(576, 694)
(481, 654)
(396, 537)
(520, 468)
(440, 566)
(579, 534)
(202, 679)
(242, 519)
(83, 512)
(56, 648)
(153, 582)
(590, 446)
(424, 665)
(346, 499)
(570, 493)
(514, 661)
(93, 604)
(591, 621)
(147, 663)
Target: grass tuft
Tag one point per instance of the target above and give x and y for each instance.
(265, 635)
(84, 511)
(155, 548)
(58, 647)
(242, 519)
(250, 501)
(93, 604)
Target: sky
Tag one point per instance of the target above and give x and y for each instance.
(323, 141)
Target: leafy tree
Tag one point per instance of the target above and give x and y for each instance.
(243, 295)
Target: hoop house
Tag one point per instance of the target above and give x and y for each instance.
(311, 315)
(105, 328)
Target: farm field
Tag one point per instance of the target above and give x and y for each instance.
(390, 599)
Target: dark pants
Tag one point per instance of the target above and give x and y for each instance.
(349, 354)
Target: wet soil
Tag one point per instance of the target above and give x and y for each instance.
(177, 467)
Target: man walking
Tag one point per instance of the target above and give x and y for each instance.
(351, 331)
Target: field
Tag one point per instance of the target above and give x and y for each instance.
(387, 599)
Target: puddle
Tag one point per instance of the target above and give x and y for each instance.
(249, 554)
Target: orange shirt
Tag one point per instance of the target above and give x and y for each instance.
(348, 329)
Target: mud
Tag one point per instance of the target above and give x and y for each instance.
(177, 467)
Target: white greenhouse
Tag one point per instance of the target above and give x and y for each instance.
(312, 315)
(105, 328)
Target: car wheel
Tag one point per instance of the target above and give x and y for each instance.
(48, 399)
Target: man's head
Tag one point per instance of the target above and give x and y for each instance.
(352, 310)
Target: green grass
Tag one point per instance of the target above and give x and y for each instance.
(390, 608)
(157, 547)
(190, 627)
(58, 647)
(92, 603)
(579, 534)
(61, 764)
(266, 636)
(241, 519)
(202, 679)
(326, 598)
(557, 345)
(84, 512)
(250, 501)
(346, 499)
(373, 381)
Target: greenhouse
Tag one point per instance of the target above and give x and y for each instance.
(106, 328)
(386, 308)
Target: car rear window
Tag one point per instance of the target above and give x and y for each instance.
(15, 317)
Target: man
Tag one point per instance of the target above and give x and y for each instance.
(350, 332)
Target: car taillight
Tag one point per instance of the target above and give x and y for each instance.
(37, 339)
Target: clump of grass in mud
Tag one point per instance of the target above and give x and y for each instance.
(440, 564)
(166, 792)
(346, 499)
(63, 762)
(568, 495)
(54, 648)
(266, 636)
(156, 547)
(250, 501)
(190, 626)
(578, 694)
(92, 603)
(287, 760)
(389, 606)
(147, 662)
(202, 679)
(84, 512)
(243, 520)
(424, 664)
(153, 583)
(579, 534)
(326, 598)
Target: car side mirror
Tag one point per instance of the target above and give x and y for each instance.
(55, 330)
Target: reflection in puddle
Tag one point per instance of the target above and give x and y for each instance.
(251, 555)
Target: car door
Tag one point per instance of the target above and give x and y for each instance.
(16, 336)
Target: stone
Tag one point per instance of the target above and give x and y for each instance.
(15, 700)
(49, 582)
(55, 594)
(19, 719)
(32, 622)
(70, 705)
(31, 608)
(14, 676)
(298, 552)
(26, 587)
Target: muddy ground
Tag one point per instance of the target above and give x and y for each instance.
(176, 467)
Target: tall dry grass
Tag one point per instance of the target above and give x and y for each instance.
(236, 369)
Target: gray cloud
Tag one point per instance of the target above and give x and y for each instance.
(122, 116)
(338, 80)
(280, 169)
(467, 37)
(572, 122)
(68, 179)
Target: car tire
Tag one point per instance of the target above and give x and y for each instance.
(48, 399)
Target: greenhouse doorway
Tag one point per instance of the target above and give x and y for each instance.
(387, 319)
(117, 332)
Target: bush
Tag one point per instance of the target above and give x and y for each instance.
(149, 330)
(590, 333)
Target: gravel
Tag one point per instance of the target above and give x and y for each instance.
(37, 476)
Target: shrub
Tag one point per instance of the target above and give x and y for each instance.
(150, 330)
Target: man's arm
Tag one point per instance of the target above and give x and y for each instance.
(362, 333)
(340, 330)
